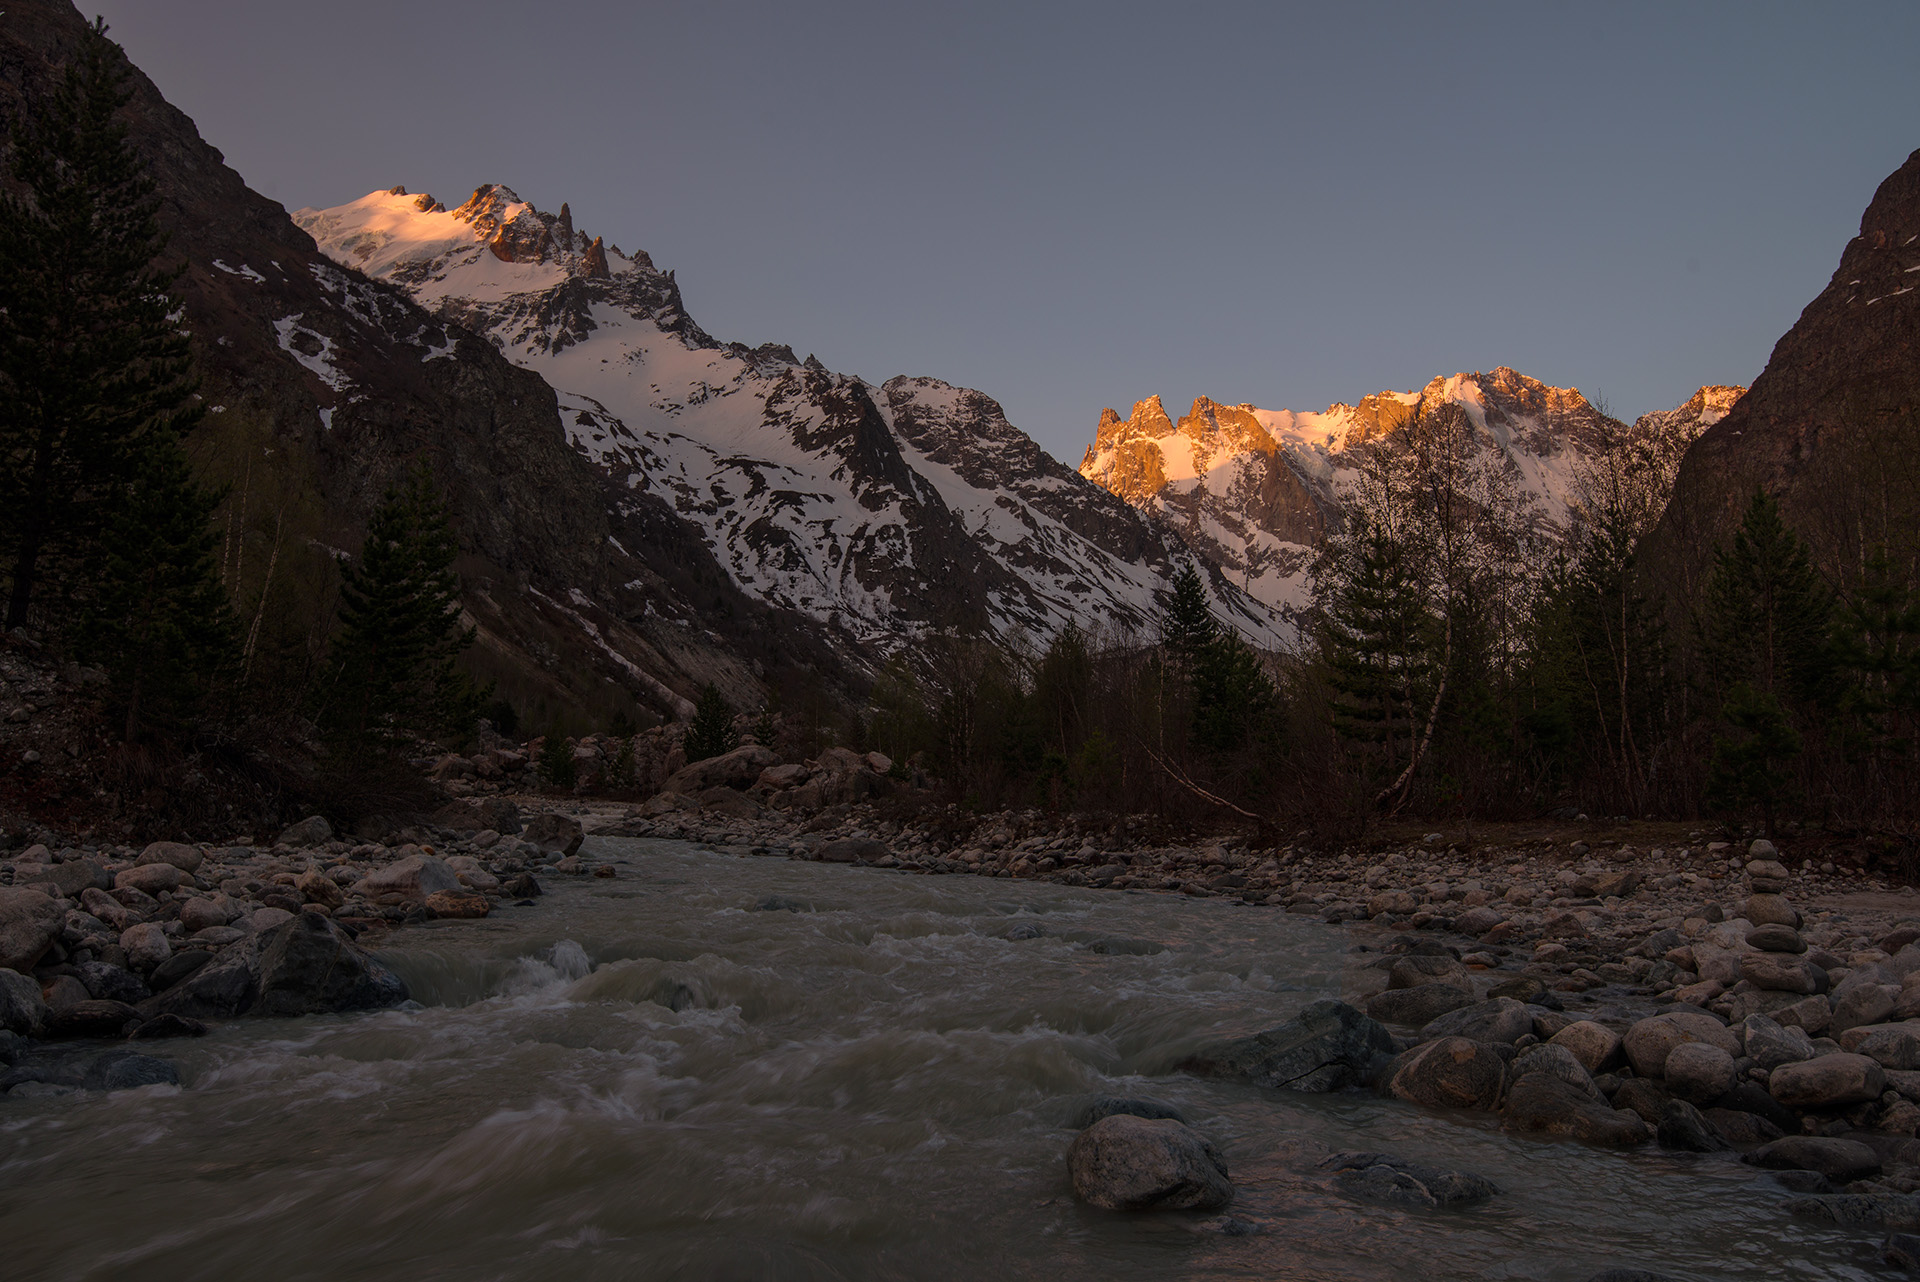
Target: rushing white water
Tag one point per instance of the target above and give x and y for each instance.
(719, 1067)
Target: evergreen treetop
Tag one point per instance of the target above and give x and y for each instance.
(710, 733)
(1768, 610)
(1187, 625)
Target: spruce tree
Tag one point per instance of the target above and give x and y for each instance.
(1187, 625)
(555, 766)
(158, 620)
(1768, 610)
(1877, 645)
(710, 733)
(1377, 641)
(90, 362)
(392, 673)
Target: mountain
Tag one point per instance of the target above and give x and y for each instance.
(323, 385)
(1256, 491)
(883, 510)
(1832, 425)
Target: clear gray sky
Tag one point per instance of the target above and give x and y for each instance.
(1076, 205)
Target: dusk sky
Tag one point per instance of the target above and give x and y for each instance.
(1072, 206)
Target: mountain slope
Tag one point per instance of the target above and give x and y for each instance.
(1256, 490)
(885, 511)
(1832, 425)
(325, 384)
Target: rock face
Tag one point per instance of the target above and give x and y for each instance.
(1127, 1163)
(1328, 1046)
(578, 578)
(1256, 491)
(1830, 422)
(881, 510)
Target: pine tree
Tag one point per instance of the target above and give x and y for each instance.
(1752, 759)
(1232, 694)
(1187, 624)
(555, 765)
(1377, 640)
(1877, 645)
(90, 362)
(1768, 611)
(159, 622)
(710, 733)
(393, 677)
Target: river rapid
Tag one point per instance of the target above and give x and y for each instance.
(723, 1067)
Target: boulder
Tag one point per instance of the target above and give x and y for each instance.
(22, 1009)
(182, 856)
(1775, 938)
(315, 887)
(94, 1018)
(1396, 902)
(1450, 1073)
(29, 923)
(149, 879)
(1810, 1014)
(1644, 1097)
(1699, 1072)
(1893, 1047)
(552, 834)
(1379, 1178)
(198, 914)
(852, 850)
(172, 971)
(477, 815)
(1499, 1019)
(311, 831)
(1770, 910)
(776, 778)
(1742, 1129)
(1858, 1210)
(222, 988)
(1555, 1061)
(1596, 1046)
(308, 966)
(1130, 1105)
(1328, 1046)
(1830, 1081)
(146, 945)
(1867, 1003)
(1782, 973)
(1412, 972)
(416, 877)
(108, 982)
(1683, 1128)
(125, 1070)
(1541, 1103)
(262, 920)
(737, 769)
(1127, 1163)
(1417, 1006)
(1648, 1043)
(1839, 1160)
(1478, 921)
(457, 903)
(1770, 1044)
(69, 880)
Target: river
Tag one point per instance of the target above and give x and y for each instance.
(722, 1067)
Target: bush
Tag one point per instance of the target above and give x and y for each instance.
(556, 763)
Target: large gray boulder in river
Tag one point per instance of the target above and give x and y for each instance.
(305, 966)
(1128, 1163)
(1326, 1047)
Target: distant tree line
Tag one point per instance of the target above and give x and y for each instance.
(1463, 657)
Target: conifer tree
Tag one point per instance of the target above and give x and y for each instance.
(392, 672)
(1768, 610)
(1377, 641)
(90, 362)
(555, 765)
(1187, 625)
(1877, 644)
(158, 619)
(710, 733)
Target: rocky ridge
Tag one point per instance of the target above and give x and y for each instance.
(1256, 491)
(887, 509)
